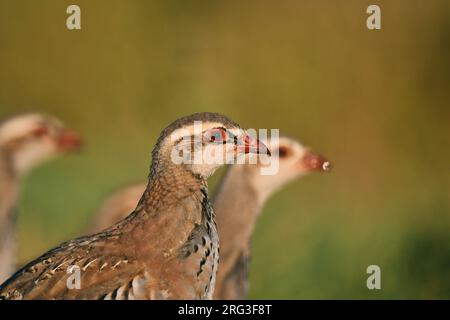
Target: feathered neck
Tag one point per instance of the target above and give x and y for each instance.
(170, 185)
(9, 193)
(9, 187)
(237, 206)
(172, 204)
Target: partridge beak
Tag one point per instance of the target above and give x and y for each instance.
(252, 145)
(314, 162)
(69, 140)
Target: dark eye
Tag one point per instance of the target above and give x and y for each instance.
(39, 132)
(217, 135)
(283, 152)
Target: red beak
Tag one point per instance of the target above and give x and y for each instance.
(69, 140)
(315, 162)
(253, 145)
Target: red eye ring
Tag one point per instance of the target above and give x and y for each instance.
(217, 135)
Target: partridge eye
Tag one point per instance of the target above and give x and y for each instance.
(39, 132)
(217, 136)
(283, 152)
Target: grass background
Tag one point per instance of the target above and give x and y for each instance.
(376, 103)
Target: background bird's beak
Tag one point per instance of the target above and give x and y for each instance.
(69, 140)
(315, 162)
(252, 145)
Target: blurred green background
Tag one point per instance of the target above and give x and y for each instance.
(376, 103)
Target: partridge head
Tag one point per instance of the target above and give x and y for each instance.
(294, 161)
(31, 139)
(202, 143)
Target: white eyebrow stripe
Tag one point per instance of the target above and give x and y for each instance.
(199, 127)
(18, 126)
(236, 131)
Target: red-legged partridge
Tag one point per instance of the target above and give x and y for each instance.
(238, 203)
(25, 142)
(168, 247)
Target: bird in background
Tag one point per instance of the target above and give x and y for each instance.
(26, 141)
(237, 203)
(168, 248)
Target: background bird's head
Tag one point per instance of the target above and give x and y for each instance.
(31, 139)
(294, 161)
(203, 142)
